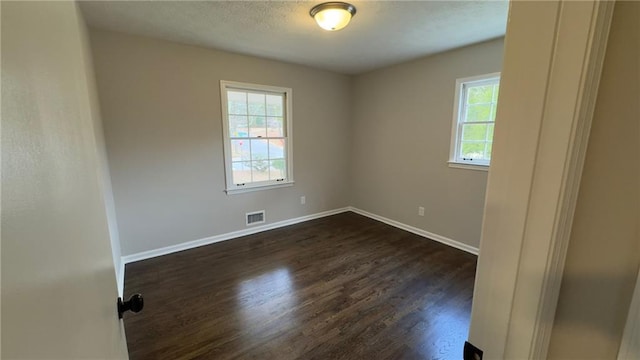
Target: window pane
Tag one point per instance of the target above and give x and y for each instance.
(478, 113)
(238, 126)
(490, 132)
(275, 127)
(257, 104)
(237, 102)
(474, 132)
(487, 154)
(260, 170)
(480, 94)
(472, 150)
(241, 172)
(494, 107)
(276, 148)
(259, 150)
(278, 169)
(257, 135)
(496, 90)
(240, 150)
(257, 126)
(274, 105)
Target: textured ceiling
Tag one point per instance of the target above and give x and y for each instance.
(381, 33)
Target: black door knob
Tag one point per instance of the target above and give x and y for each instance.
(135, 304)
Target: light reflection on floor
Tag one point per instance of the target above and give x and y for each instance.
(267, 299)
(450, 327)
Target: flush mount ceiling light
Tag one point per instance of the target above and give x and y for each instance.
(333, 16)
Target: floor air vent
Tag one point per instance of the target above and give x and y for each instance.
(256, 217)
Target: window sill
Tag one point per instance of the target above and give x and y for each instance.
(457, 165)
(258, 188)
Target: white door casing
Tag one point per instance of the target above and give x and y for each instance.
(630, 345)
(553, 59)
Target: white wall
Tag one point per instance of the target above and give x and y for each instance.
(101, 152)
(378, 141)
(604, 251)
(402, 119)
(160, 105)
(58, 283)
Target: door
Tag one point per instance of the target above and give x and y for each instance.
(58, 281)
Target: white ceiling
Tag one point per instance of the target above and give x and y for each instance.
(381, 33)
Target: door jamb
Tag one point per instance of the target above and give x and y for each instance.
(553, 59)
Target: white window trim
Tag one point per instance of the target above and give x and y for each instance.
(454, 162)
(458, 165)
(288, 116)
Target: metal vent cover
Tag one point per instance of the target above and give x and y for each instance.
(256, 217)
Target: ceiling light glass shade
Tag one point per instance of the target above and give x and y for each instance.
(333, 16)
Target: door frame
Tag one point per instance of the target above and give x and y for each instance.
(554, 52)
(630, 345)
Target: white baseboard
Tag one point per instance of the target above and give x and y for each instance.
(235, 234)
(415, 230)
(222, 237)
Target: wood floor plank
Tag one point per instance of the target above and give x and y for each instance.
(339, 287)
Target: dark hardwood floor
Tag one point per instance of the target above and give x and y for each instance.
(340, 287)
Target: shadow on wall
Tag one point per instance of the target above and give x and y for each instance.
(605, 299)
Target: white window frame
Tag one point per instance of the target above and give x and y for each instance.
(458, 116)
(232, 188)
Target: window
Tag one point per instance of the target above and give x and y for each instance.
(474, 115)
(257, 136)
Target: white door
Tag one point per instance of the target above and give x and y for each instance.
(58, 281)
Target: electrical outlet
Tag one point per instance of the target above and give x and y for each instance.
(303, 200)
(420, 210)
